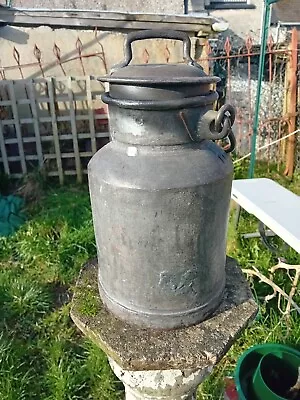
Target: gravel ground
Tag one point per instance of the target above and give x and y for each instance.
(272, 101)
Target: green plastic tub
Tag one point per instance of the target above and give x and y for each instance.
(267, 372)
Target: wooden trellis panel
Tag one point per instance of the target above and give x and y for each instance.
(56, 124)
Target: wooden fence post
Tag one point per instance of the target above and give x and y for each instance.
(292, 103)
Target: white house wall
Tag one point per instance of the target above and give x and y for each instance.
(243, 22)
(149, 6)
(25, 39)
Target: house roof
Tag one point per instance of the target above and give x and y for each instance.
(286, 11)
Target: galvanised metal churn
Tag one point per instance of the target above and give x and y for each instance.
(160, 191)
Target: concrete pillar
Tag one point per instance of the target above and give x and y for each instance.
(171, 384)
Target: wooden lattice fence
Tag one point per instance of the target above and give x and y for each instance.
(53, 124)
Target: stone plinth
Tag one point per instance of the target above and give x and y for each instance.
(163, 364)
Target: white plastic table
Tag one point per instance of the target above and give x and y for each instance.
(276, 207)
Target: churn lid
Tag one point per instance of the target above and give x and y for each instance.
(153, 85)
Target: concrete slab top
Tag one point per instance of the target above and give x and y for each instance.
(137, 349)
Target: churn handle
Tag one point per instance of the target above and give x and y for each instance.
(156, 34)
(215, 125)
(223, 126)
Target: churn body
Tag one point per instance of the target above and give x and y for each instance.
(160, 202)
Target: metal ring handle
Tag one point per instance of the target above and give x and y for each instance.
(232, 142)
(216, 134)
(227, 133)
(156, 34)
(225, 111)
(223, 123)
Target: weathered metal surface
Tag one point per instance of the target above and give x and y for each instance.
(160, 220)
(160, 198)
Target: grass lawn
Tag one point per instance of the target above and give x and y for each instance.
(42, 355)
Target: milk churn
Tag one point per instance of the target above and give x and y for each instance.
(160, 191)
